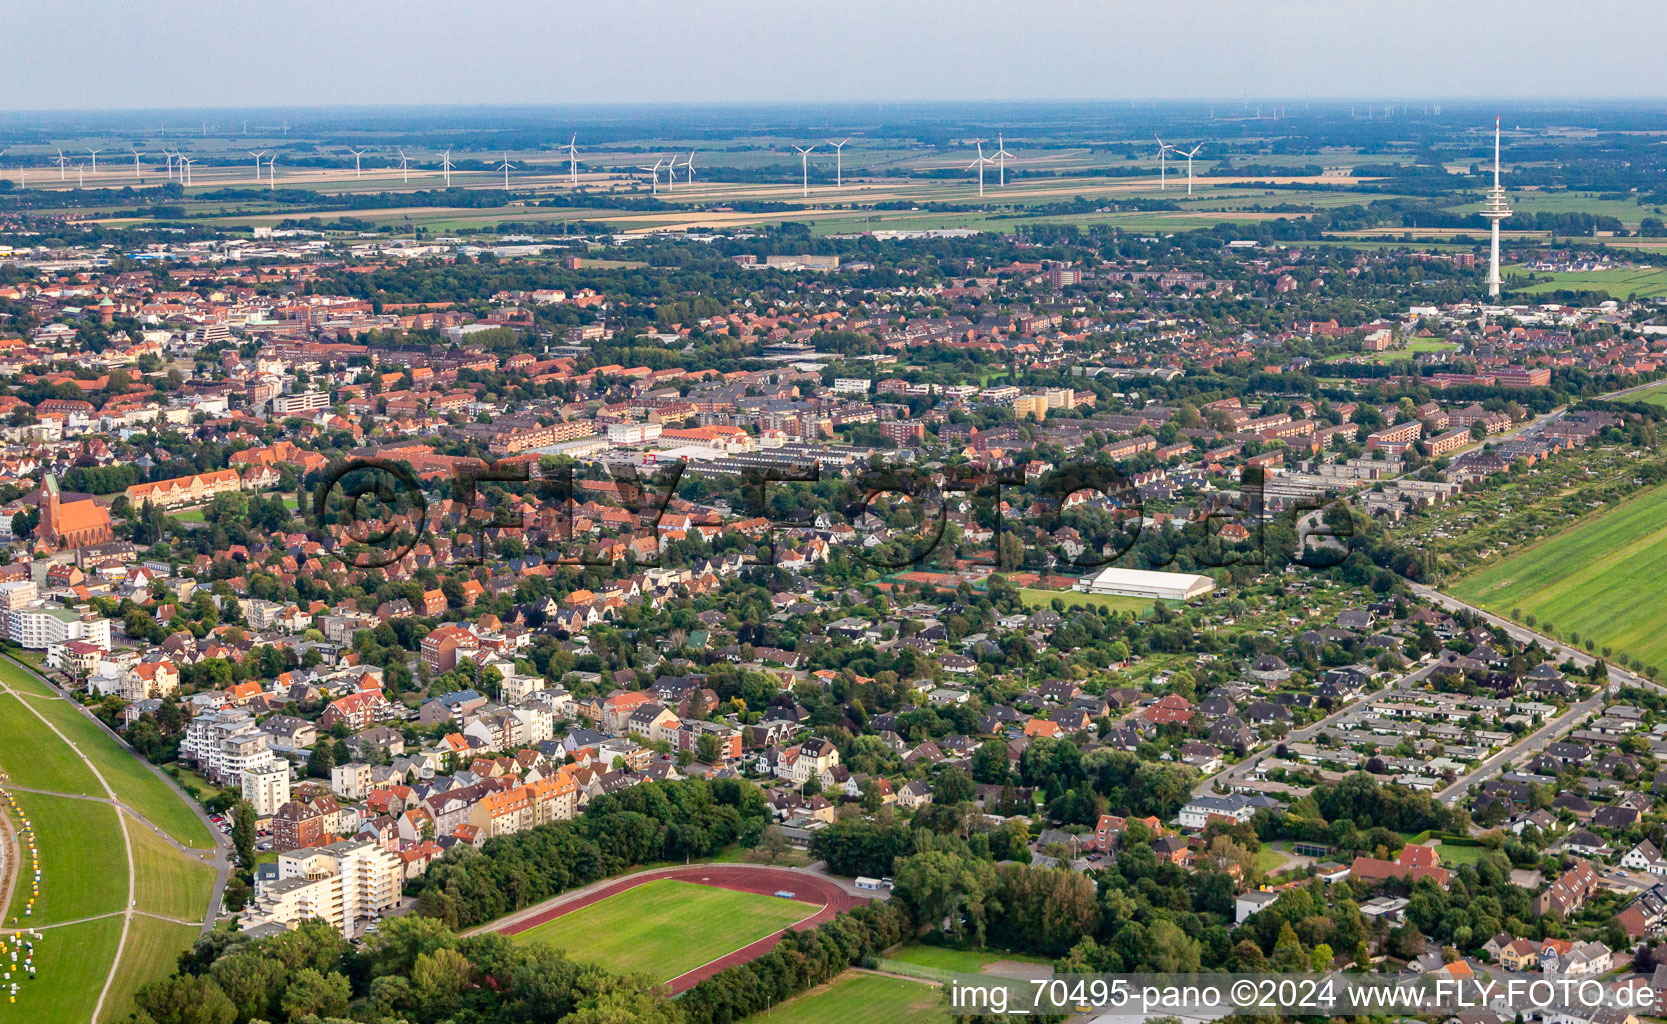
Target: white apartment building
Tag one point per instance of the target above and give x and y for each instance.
(18, 594)
(300, 403)
(266, 789)
(633, 433)
(47, 625)
(515, 688)
(225, 743)
(351, 780)
(538, 722)
(342, 883)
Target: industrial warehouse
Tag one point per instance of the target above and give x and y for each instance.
(1162, 586)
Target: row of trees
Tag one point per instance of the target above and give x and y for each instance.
(412, 969)
(650, 822)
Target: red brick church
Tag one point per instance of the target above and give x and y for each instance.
(75, 524)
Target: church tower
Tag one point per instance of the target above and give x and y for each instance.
(49, 530)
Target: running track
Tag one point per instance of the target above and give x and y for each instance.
(807, 888)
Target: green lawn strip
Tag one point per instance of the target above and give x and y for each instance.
(151, 953)
(132, 780)
(166, 881)
(1453, 856)
(1033, 598)
(34, 757)
(858, 997)
(1603, 578)
(666, 928)
(71, 964)
(956, 961)
(83, 861)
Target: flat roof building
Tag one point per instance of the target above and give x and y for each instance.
(1161, 586)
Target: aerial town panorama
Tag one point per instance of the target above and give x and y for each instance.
(766, 520)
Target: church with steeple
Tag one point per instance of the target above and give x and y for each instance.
(65, 526)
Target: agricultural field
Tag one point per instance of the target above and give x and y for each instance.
(1603, 578)
(666, 928)
(1627, 211)
(858, 997)
(1655, 395)
(1642, 282)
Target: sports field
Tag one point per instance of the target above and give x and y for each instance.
(666, 928)
(1076, 599)
(858, 997)
(1604, 578)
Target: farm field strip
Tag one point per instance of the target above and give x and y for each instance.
(1604, 578)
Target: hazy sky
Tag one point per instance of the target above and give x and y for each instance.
(120, 54)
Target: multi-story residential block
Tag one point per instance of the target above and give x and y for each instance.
(342, 883)
(39, 628)
(266, 789)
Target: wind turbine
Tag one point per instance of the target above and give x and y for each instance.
(979, 163)
(80, 179)
(257, 157)
(839, 159)
(671, 172)
(357, 153)
(654, 175)
(272, 171)
(61, 164)
(804, 167)
(136, 156)
(445, 166)
(573, 159)
(1189, 154)
(689, 168)
(186, 162)
(405, 166)
(1163, 150)
(1001, 156)
(505, 168)
(95, 153)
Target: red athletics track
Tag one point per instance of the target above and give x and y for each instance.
(807, 888)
